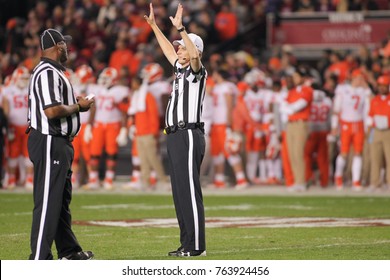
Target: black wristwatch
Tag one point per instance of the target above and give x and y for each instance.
(181, 29)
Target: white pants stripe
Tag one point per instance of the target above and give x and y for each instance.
(192, 188)
(45, 196)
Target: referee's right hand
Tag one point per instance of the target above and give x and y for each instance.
(85, 104)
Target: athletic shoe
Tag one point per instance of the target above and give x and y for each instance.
(152, 181)
(338, 181)
(192, 253)
(11, 184)
(75, 183)
(29, 186)
(356, 187)
(259, 181)
(90, 186)
(174, 253)
(108, 185)
(219, 184)
(297, 188)
(242, 184)
(371, 189)
(273, 181)
(133, 185)
(82, 255)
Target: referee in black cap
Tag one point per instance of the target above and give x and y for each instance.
(185, 140)
(54, 119)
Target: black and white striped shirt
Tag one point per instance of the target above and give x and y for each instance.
(50, 87)
(185, 103)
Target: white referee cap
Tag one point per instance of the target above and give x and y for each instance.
(198, 42)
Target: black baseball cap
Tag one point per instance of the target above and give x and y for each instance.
(50, 37)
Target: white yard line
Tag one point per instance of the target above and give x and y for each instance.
(252, 222)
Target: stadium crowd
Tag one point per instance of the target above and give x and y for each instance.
(272, 118)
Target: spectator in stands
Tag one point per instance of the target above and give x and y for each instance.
(241, 11)
(93, 35)
(362, 5)
(324, 6)
(286, 7)
(226, 23)
(107, 13)
(338, 67)
(122, 56)
(206, 21)
(305, 6)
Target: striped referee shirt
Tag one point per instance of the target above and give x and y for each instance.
(50, 87)
(185, 103)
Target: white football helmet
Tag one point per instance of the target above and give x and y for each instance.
(255, 77)
(83, 74)
(20, 77)
(153, 72)
(108, 77)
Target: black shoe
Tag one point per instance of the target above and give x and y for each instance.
(192, 253)
(174, 253)
(86, 255)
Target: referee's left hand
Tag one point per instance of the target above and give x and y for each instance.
(85, 104)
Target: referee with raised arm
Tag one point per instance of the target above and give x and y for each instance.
(54, 120)
(185, 140)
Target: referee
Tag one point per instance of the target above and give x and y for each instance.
(185, 140)
(54, 119)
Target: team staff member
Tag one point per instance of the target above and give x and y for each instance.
(185, 141)
(298, 106)
(54, 119)
(379, 119)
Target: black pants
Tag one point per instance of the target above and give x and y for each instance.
(186, 149)
(52, 158)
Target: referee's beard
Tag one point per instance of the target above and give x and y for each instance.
(63, 55)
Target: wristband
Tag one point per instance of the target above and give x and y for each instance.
(181, 29)
(78, 107)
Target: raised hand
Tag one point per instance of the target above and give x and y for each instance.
(150, 19)
(177, 20)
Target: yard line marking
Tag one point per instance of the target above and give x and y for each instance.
(248, 222)
(142, 206)
(139, 206)
(238, 207)
(301, 247)
(15, 214)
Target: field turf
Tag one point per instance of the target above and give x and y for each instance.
(283, 242)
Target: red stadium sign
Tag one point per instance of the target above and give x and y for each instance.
(329, 30)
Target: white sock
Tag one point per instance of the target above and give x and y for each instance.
(251, 165)
(357, 163)
(93, 176)
(22, 169)
(262, 170)
(136, 174)
(110, 174)
(270, 168)
(219, 177)
(240, 175)
(278, 168)
(340, 164)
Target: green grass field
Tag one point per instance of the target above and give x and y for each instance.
(283, 242)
